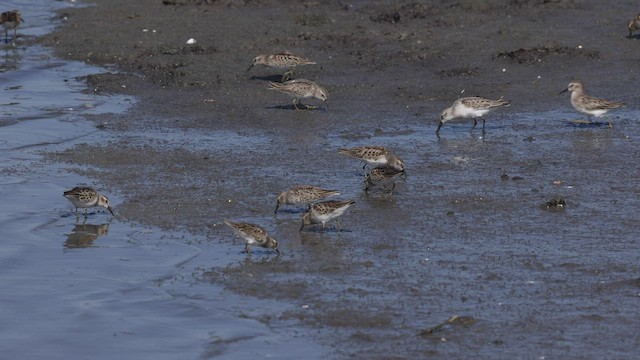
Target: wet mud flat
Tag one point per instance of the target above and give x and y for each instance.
(466, 233)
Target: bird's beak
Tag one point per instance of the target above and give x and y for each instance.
(301, 226)
(564, 91)
(439, 126)
(250, 67)
(111, 211)
(277, 206)
(278, 251)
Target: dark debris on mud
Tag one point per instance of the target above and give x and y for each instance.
(538, 54)
(555, 204)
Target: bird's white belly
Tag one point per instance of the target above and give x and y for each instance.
(596, 113)
(468, 112)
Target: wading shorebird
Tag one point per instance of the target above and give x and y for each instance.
(323, 212)
(634, 25)
(301, 89)
(283, 60)
(375, 156)
(383, 176)
(303, 195)
(253, 234)
(588, 104)
(86, 197)
(10, 20)
(470, 107)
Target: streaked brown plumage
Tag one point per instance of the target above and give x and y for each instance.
(10, 20)
(282, 60)
(253, 234)
(588, 104)
(302, 195)
(470, 107)
(374, 155)
(301, 89)
(323, 212)
(382, 176)
(86, 197)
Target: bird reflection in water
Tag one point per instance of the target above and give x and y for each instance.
(83, 235)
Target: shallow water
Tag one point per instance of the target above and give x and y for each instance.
(98, 287)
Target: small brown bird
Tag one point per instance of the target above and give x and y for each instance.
(86, 197)
(588, 104)
(303, 195)
(323, 212)
(283, 60)
(634, 25)
(375, 156)
(253, 234)
(470, 107)
(10, 20)
(301, 89)
(382, 175)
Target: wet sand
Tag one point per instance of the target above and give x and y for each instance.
(208, 141)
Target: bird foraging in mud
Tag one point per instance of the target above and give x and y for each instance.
(470, 107)
(303, 195)
(86, 197)
(590, 105)
(253, 234)
(323, 212)
(382, 176)
(374, 155)
(283, 60)
(301, 89)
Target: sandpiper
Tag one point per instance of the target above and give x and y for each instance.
(470, 107)
(86, 197)
(303, 195)
(588, 104)
(374, 155)
(301, 89)
(253, 234)
(10, 20)
(382, 176)
(323, 212)
(634, 25)
(283, 60)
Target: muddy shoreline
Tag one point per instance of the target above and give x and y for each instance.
(208, 141)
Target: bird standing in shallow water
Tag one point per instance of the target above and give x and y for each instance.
(86, 197)
(301, 89)
(588, 104)
(10, 20)
(323, 212)
(303, 195)
(253, 234)
(634, 25)
(382, 176)
(470, 107)
(375, 156)
(282, 60)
